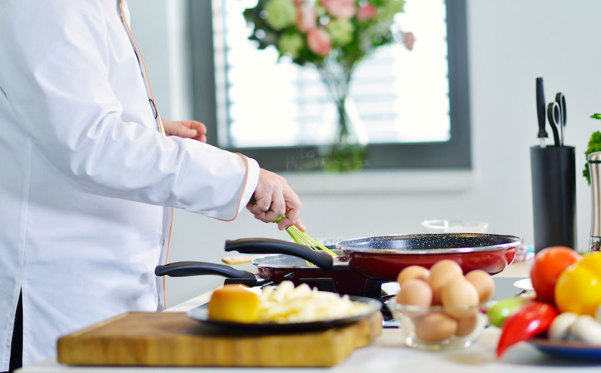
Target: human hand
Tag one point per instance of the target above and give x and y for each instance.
(274, 198)
(189, 129)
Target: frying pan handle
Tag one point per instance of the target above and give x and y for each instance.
(273, 246)
(181, 269)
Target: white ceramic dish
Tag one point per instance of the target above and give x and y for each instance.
(454, 226)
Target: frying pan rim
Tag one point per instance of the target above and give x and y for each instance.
(513, 241)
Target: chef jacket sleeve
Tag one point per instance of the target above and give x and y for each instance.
(55, 73)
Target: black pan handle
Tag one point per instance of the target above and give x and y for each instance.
(273, 246)
(181, 269)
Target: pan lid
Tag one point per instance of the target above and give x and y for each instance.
(443, 243)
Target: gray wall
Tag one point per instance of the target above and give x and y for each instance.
(510, 43)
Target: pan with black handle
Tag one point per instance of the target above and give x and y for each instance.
(300, 264)
(383, 257)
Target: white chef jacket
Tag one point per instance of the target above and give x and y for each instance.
(86, 176)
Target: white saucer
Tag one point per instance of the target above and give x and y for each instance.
(524, 284)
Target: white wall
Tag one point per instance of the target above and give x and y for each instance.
(510, 43)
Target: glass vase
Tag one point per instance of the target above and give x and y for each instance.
(347, 152)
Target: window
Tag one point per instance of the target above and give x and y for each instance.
(413, 105)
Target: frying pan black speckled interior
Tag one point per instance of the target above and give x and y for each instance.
(430, 243)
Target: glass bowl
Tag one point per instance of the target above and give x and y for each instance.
(454, 226)
(439, 327)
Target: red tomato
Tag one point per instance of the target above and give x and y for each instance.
(548, 265)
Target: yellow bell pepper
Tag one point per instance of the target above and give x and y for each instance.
(578, 288)
(592, 261)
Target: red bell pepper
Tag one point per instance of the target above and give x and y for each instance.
(528, 321)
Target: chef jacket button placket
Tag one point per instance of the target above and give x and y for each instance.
(154, 108)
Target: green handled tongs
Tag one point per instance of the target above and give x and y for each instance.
(302, 238)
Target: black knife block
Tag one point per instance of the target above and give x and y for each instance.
(553, 196)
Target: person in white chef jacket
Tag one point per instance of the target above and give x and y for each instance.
(89, 173)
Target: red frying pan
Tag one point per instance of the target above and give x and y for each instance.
(293, 262)
(382, 258)
(385, 256)
(378, 258)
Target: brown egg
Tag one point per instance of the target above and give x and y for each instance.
(415, 292)
(441, 273)
(435, 327)
(484, 284)
(459, 292)
(413, 272)
(466, 325)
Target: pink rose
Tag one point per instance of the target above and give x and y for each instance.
(306, 18)
(408, 40)
(343, 9)
(319, 41)
(299, 2)
(366, 11)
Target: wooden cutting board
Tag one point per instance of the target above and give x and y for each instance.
(173, 339)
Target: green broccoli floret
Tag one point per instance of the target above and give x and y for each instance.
(594, 145)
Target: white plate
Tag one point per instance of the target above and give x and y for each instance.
(200, 314)
(524, 284)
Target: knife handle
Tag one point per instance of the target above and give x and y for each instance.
(554, 115)
(273, 246)
(561, 101)
(541, 108)
(182, 269)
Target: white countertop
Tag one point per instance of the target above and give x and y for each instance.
(387, 354)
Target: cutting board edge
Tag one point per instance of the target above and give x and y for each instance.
(82, 348)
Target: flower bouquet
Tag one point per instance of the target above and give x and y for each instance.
(333, 36)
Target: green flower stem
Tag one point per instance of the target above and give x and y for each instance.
(336, 76)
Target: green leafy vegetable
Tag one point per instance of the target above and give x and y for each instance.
(594, 145)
